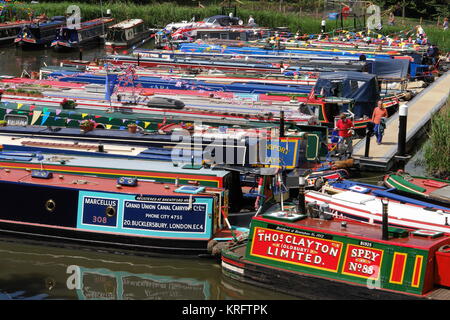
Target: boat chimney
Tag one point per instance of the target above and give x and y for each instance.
(301, 195)
(385, 230)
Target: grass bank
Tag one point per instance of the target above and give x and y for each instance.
(160, 14)
(437, 148)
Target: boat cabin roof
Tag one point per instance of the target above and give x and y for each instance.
(363, 231)
(10, 24)
(98, 184)
(126, 24)
(116, 163)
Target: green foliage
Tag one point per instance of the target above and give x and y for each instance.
(437, 147)
(158, 15)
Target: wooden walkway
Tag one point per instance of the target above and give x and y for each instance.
(420, 110)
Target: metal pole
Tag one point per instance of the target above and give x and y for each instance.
(301, 208)
(369, 133)
(403, 115)
(385, 223)
(281, 124)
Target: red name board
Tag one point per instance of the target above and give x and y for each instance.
(362, 262)
(296, 249)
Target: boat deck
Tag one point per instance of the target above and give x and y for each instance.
(93, 183)
(420, 110)
(363, 231)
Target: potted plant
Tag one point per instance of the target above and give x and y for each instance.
(87, 125)
(132, 127)
(68, 104)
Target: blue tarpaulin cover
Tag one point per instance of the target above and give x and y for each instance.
(361, 87)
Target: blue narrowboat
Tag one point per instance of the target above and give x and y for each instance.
(40, 35)
(89, 31)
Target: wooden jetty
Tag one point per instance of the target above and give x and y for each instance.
(420, 110)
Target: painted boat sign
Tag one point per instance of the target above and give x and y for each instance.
(362, 262)
(168, 216)
(160, 216)
(297, 249)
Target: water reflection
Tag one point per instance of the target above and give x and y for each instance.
(31, 271)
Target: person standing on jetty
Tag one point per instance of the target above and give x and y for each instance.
(379, 113)
(445, 24)
(344, 126)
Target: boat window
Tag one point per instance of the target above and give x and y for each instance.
(115, 35)
(306, 109)
(331, 111)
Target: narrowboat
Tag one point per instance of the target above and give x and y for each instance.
(310, 256)
(151, 170)
(38, 35)
(368, 208)
(10, 30)
(120, 214)
(126, 33)
(236, 148)
(430, 189)
(338, 185)
(75, 38)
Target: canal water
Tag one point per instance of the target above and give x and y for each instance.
(37, 271)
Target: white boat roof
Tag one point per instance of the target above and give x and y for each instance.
(354, 197)
(127, 23)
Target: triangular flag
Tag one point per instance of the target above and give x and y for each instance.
(36, 115)
(32, 107)
(45, 117)
(58, 111)
(8, 110)
(19, 105)
(146, 124)
(108, 126)
(84, 115)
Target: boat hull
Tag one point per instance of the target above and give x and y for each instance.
(80, 217)
(299, 284)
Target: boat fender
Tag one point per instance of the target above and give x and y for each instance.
(50, 205)
(216, 250)
(211, 244)
(445, 248)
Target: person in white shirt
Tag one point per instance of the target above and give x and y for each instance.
(251, 21)
(323, 25)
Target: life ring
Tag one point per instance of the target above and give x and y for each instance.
(50, 205)
(110, 211)
(445, 248)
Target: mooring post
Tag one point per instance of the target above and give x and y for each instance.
(401, 155)
(402, 119)
(369, 134)
(301, 208)
(385, 223)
